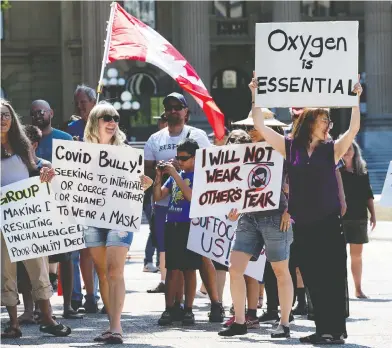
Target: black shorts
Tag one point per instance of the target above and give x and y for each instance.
(219, 267)
(60, 257)
(177, 256)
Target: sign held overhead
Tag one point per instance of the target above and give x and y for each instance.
(306, 64)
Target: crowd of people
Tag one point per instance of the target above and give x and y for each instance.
(324, 202)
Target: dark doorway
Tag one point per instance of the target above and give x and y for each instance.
(231, 93)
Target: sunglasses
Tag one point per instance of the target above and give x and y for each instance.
(110, 118)
(183, 158)
(247, 128)
(5, 116)
(173, 107)
(37, 113)
(241, 140)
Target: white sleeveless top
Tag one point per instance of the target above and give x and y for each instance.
(12, 170)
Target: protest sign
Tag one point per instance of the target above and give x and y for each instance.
(99, 185)
(213, 237)
(30, 224)
(306, 64)
(386, 194)
(247, 177)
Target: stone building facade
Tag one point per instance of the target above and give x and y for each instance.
(49, 47)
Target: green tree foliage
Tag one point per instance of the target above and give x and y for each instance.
(5, 5)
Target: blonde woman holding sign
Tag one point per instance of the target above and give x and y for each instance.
(109, 248)
(316, 210)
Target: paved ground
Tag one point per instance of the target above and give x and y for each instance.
(370, 323)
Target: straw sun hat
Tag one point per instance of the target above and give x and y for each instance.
(269, 120)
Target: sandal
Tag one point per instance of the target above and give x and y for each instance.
(27, 321)
(103, 336)
(114, 338)
(11, 332)
(71, 314)
(38, 317)
(58, 330)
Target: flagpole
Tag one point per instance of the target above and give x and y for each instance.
(106, 50)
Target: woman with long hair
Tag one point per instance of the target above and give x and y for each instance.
(17, 163)
(109, 248)
(271, 228)
(315, 208)
(359, 198)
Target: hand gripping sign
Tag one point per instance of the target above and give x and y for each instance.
(247, 177)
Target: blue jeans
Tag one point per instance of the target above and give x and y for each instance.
(150, 249)
(77, 285)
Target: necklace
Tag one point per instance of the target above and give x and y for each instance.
(5, 153)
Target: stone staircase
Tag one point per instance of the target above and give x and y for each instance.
(377, 162)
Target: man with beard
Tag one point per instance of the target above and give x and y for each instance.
(162, 147)
(85, 99)
(41, 115)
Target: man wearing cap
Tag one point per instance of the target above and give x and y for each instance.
(161, 146)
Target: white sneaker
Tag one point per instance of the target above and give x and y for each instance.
(200, 294)
(150, 268)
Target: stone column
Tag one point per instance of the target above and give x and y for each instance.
(194, 24)
(95, 15)
(377, 126)
(378, 63)
(286, 11)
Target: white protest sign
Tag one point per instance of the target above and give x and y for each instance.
(99, 185)
(247, 177)
(30, 224)
(213, 237)
(306, 64)
(386, 194)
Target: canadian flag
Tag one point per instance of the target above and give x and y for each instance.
(131, 39)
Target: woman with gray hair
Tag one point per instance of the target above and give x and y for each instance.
(359, 199)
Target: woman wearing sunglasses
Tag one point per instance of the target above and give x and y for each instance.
(315, 208)
(109, 248)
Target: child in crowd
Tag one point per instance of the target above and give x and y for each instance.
(178, 257)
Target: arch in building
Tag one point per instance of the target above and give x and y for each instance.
(229, 88)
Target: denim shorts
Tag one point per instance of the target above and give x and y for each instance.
(254, 232)
(97, 237)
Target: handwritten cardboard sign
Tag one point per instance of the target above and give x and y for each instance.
(99, 185)
(31, 225)
(247, 177)
(306, 64)
(214, 237)
(386, 194)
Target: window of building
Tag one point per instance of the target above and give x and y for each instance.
(325, 8)
(229, 9)
(229, 79)
(143, 10)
